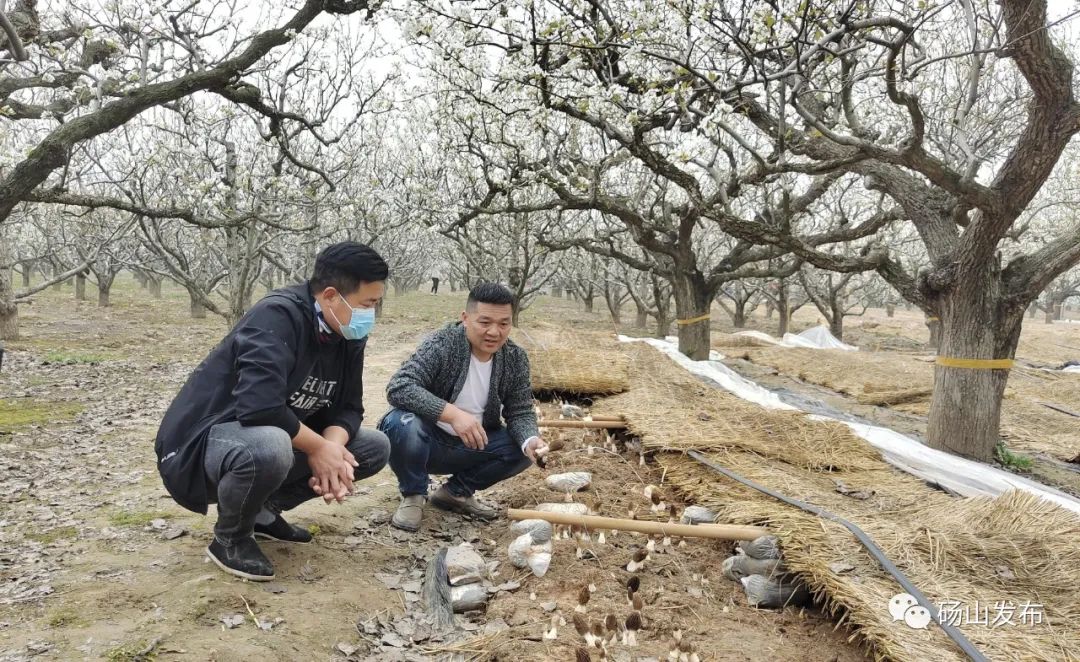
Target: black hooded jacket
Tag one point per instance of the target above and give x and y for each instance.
(276, 367)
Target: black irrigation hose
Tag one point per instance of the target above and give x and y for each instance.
(875, 551)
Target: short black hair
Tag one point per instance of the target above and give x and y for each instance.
(346, 265)
(488, 292)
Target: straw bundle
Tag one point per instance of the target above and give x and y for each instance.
(891, 398)
(849, 372)
(582, 364)
(1009, 550)
(729, 340)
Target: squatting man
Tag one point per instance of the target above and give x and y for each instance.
(271, 418)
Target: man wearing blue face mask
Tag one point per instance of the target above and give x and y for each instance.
(271, 418)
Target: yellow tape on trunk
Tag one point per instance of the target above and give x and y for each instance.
(692, 321)
(975, 364)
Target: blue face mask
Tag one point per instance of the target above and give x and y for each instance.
(360, 323)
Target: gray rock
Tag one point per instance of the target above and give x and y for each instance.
(765, 547)
(509, 586)
(464, 565)
(468, 597)
(774, 593)
(573, 481)
(539, 530)
(741, 565)
(698, 515)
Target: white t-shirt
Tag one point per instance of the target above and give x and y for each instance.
(474, 394)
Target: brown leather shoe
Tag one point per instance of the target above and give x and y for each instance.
(471, 506)
(409, 513)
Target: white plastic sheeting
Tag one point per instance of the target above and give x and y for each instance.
(818, 337)
(760, 335)
(956, 474)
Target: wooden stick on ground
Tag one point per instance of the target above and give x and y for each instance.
(1062, 409)
(717, 531)
(608, 425)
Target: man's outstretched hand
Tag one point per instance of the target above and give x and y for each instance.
(331, 471)
(536, 449)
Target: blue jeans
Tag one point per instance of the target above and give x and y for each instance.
(419, 448)
(249, 468)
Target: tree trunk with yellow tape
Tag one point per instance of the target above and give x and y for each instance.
(965, 409)
(692, 302)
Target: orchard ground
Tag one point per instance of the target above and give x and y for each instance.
(97, 562)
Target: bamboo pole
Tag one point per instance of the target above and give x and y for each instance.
(717, 531)
(609, 425)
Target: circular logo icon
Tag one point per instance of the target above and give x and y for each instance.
(899, 604)
(917, 617)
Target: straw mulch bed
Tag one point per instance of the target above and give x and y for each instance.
(1030, 425)
(1009, 550)
(905, 382)
(885, 378)
(730, 340)
(580, 364)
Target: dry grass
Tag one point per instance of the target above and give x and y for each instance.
(1030, 425)
(862, 375)
(578, 364)
(885, 397)
(1012, 549)
(729, 340)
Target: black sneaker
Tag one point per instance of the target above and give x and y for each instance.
(282, 531)
(243, 559)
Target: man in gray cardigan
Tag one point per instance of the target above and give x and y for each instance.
(449, 401)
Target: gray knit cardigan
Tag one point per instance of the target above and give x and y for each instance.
(436, 372)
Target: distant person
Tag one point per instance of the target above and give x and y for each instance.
(450, 399)
(271, 418)
(434, 284)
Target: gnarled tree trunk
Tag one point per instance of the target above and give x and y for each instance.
(692, 301)
(198, 310)
(80, 286)
(965, 409)
(104, 286)
(738, 313)
(836, 319)
(783, 309)
(9, 311)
